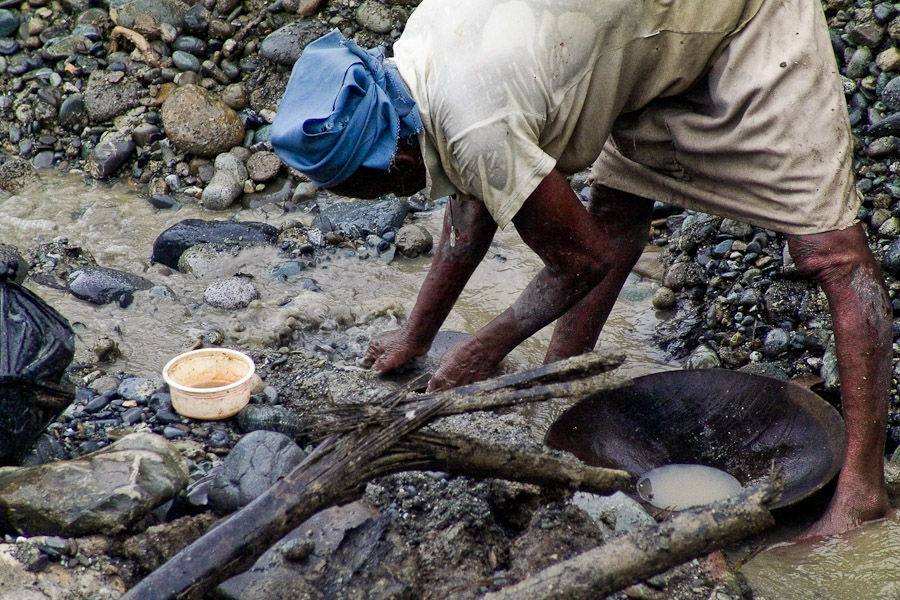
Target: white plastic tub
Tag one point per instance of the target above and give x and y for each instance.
(210, 383)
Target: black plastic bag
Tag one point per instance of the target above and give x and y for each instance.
(36, 345)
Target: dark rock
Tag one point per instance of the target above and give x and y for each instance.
(254, 417)
(171, 243)
(257, 461)
(66, 47)
(682, 275)
(284, 45)
(775, 342)
(363, 217)
(196, 20)
(189, 44)
(891, 94)
(108, 156)
(351, 544)
(163, 201)
(186, 61)
(100, 285)
(891, 259)
(9, 47)
(889, 126)
(44, 159)
(276, 192)
(145, 134)
(9, 22)
(140, 389)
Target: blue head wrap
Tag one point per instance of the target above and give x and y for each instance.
(343, 108)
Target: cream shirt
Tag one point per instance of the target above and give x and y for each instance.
(508, 90)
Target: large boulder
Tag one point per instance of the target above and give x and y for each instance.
(199, 124)
(100, 493)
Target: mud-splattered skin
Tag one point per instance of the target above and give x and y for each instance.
(843, 265)
(588, 255)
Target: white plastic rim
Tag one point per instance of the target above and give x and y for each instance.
(186, 371)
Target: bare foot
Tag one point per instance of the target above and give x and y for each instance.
(393, 349)
(847, 510)
(466, 362)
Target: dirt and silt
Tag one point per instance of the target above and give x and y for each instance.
(427, 534)
(737, 304)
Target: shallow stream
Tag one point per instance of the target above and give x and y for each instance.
(118, 226)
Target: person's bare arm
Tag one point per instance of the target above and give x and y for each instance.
(466, 235)
(576, 253)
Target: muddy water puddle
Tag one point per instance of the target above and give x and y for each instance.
(863, 563)
(116, 224)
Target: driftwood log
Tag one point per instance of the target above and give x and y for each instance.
(634, 557)
(367, 441)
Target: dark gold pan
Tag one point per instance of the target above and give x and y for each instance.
(737, 422)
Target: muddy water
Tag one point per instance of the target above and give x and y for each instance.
(117, 225)
(678, 487)
(862, 563)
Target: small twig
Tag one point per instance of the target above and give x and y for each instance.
(137, 39)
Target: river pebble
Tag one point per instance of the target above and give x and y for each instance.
(263, 166)
(284, 45)
(231, 294)
(227, 182)
(108, 156)
(199, 123)
(412, 240)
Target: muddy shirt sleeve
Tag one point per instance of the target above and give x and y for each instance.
(499, 161)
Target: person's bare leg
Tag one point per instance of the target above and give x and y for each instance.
(843, 265)
(625, 220)
(469, 222)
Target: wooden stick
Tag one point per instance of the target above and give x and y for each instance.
(631, 558)
(471, 457)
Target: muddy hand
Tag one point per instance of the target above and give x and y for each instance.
(467, 362)
(391, 350)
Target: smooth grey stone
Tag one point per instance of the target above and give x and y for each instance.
(257, 461)
(101, 285)
(186, 61)
(141, 389)
(227, 182)
(364, 217)
(284, 45)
